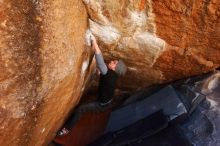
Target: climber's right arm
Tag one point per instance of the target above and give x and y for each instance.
(99, 58)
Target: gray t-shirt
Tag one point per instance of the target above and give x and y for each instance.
(101, 64)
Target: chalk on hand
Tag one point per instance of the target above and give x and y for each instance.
(92, 37)
(89, 37)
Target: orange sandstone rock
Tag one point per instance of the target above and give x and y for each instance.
(160, 41)
(44, 66)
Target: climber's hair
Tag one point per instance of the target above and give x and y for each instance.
(121, 68)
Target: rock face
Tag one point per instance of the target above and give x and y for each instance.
(159, 40)
(45, 64)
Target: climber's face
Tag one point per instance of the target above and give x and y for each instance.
(112, 64)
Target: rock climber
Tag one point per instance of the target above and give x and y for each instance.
(107, 82)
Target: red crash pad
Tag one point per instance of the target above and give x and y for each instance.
(87, 129)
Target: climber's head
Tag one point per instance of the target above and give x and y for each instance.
(118, 66)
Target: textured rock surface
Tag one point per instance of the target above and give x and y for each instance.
(43, 67)
(159, 40)
(44, 63)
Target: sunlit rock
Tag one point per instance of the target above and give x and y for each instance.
(159, 40)
(46, 62)
(44, 66)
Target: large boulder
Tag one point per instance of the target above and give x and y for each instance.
(44, 66)
(160, 41)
